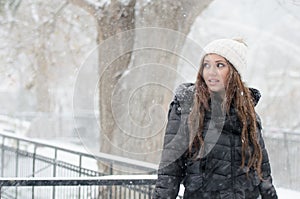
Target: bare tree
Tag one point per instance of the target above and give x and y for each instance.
(37, 49)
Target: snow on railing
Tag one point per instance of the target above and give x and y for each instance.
(75, 181)
(116, 186)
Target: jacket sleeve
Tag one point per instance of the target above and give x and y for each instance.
(171, 168)
(266, 187)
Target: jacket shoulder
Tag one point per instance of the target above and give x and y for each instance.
(255, 95)
(184, 95)
(185, 91)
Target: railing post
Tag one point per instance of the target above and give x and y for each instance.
(54, 171)
(110, 187)
(80, 166)
(33, 168)
(17, 158)
(33, 160)
(17, 165)
(54, 162)
(111, 169)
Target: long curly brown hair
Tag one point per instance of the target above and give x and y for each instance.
(237, 95)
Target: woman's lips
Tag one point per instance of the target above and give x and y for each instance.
(213, 81)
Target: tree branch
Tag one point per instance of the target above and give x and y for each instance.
(88, 5)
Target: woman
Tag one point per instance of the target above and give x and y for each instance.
(213, 142)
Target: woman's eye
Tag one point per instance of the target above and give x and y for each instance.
(220, 65)
(206, 65)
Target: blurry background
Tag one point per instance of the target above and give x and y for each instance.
(47, 47)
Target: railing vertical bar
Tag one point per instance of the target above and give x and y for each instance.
(17, 158)
(33, 168)
(33, 160)
(110, 187)
(54, 171)
(17, 166)
(129, 192)
(140, 195)
(124, 192)
(109, 192)
(55, 162)
(111, 169)
(80, 166)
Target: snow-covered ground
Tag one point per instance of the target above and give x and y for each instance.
(288, 194)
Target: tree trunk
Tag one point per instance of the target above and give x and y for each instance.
(115, 19)
(140, 44)
(136, 88)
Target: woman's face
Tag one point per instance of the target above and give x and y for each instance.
(215, 72)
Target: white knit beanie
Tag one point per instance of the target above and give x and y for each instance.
(235, 51)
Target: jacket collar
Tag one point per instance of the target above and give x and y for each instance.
(185, 92)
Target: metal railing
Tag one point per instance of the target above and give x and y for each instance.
(22, 159)
(40, 156)
(283, 147)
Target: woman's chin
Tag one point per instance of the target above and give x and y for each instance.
(217, 90)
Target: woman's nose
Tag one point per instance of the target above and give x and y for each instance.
(213, 70)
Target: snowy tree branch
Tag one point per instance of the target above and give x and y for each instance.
(88, 5)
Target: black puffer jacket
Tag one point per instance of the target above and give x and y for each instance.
(218, 175)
